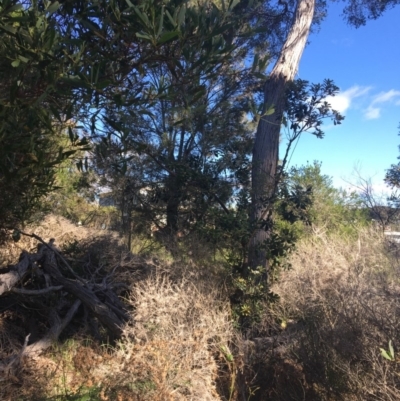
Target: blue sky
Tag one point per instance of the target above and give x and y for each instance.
(365, 64)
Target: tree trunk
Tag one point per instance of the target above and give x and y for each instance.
(266, 144)
(173, 203)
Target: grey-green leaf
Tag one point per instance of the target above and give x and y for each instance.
(168, 36)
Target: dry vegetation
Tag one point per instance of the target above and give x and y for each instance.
(172, 348)
(339, 305)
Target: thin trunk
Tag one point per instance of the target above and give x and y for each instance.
(266, 144)
(173, 203)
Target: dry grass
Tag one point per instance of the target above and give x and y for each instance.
(178, 331)
(172, 349)
(340, 304)
(52, 226)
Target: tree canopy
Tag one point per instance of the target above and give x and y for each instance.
(167, 95)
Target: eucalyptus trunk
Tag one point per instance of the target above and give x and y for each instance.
(266, 144)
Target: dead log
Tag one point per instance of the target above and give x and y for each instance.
(9, 280)
(100, 301)
(105, 315)
(11, 366)
(52, 335)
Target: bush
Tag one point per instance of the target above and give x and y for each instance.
(339, 305)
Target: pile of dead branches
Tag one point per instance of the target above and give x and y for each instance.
(44, 280)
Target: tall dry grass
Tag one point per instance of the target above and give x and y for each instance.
(178, 331)
(174, 348)
(339, 305)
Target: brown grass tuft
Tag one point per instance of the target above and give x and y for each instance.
(170, 349)
(339, 305)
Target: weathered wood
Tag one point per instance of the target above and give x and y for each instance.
(109, 311)
(46, 290)
(87, 296)
(52, 335)
(9, 280)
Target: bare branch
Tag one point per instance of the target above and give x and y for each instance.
(54, 249)
(52, 335)
(37, 292)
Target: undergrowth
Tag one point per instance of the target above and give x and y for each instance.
(334, 334)
(339, 308)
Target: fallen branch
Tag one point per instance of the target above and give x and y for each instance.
(87, 296)
(52, 335)
(9, 280)
(54, 249)
(37, 292)
(43, 269)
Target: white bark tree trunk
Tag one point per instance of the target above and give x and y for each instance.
(266, 144)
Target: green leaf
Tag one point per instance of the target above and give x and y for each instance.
(168, 36)
(181, 15)
(14, 8)
(144, 36)
(9, 28)
(173, 22)
(23, 59)
(142, 16)
(270, 111)
(16, 63)
(161, 23)
(233, 4)
(391, 349)
(90, 25)
(103, 84)
(76, 82)
(68, 153)
(52, 8)
(385, 354)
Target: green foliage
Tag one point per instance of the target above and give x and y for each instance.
(74, 197)
(307, 108)
(180, 149)
(306, 199)
(82, 394)
(388, 354)
(332, 210)
(357, 12)
(33, 107)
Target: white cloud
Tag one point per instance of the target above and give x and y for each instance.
(386, 96)
(372, 111)
(342, 101)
